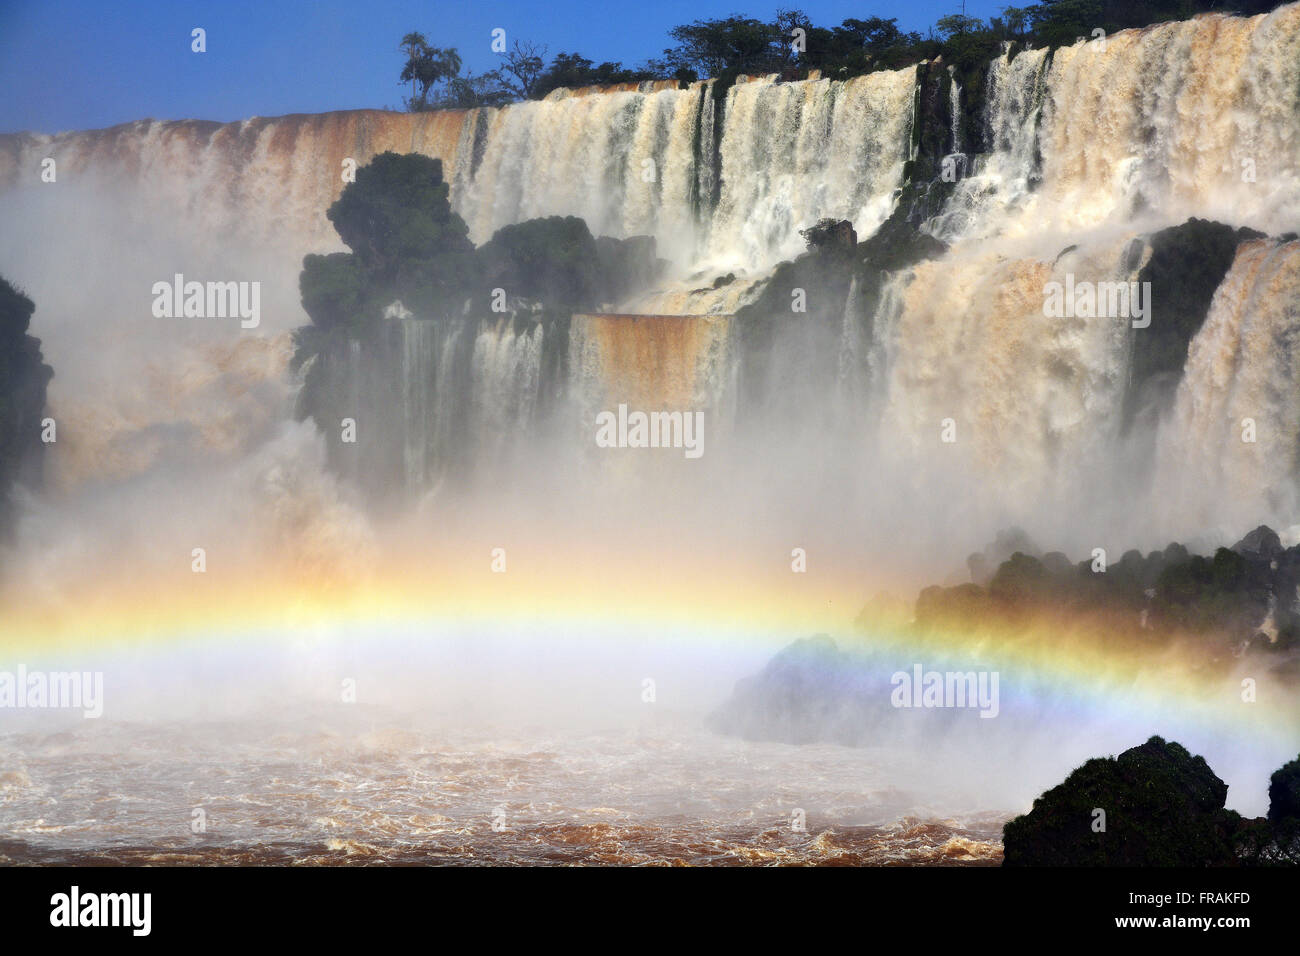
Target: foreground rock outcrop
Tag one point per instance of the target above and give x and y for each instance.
(1153, 805)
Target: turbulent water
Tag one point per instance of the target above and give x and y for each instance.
(173, 432)
(316, 794)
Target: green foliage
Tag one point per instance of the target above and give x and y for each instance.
(1062, 22)
(1225, 593)
(396, 211)
(334, 290)
(521, 69)
(426, 66)
(955, 25)
(571, 71)
(724, 47)
(710, 47)
(1219, 601)
(831, 235)
(556, 261)
(1019, 580)
(15, 312)
(407, 242)
(23, 381)
(552, 259)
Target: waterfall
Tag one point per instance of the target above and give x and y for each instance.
(1090, 148)
(706, 181)
(661, 362)
(1002, 178)
(506, 370)
(1195, 117)
(954, 109)
(1236, 419)
(622, 161)
(793, 153)
(1179, 119)
(430, 382)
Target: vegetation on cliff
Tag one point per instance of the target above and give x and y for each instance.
(1220, 609)
(1231, 602)
(23, 380)
(411, 258)
(408, 246)
(791, 44)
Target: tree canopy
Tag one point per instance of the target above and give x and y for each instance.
(788, 43)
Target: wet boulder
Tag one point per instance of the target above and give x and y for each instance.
(1153, 805)
(1262, 544)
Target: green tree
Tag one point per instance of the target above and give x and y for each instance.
(522, 69)
(426, 67)
(333, 290)
(735, 43)
(398, 210)
(553, 259)
(570, 71)
(406, 244)
(957, 24)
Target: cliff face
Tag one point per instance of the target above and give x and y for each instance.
(970, 185)
(23, 379)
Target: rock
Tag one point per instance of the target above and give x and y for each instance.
(1284, 793)
(24, 377)
(1163, 807)
(809, 692)
(983, 565)
(1262, 544)
(1057, 563)
(831, 234)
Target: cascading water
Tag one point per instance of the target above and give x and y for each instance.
(1145, 129)
(1004, 175)
(1089, 146)
(793, 153)
(1236, 420)
(954, 108)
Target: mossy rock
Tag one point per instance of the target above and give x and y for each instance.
(1163, 807)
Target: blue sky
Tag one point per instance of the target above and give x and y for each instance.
(76, 64)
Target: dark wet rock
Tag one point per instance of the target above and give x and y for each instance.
(1057, 564)
(810, 691)
(831, 234)
(984, 564)
(24, 377)
(1163, 807)
(1284, 794)
(1261, 544)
